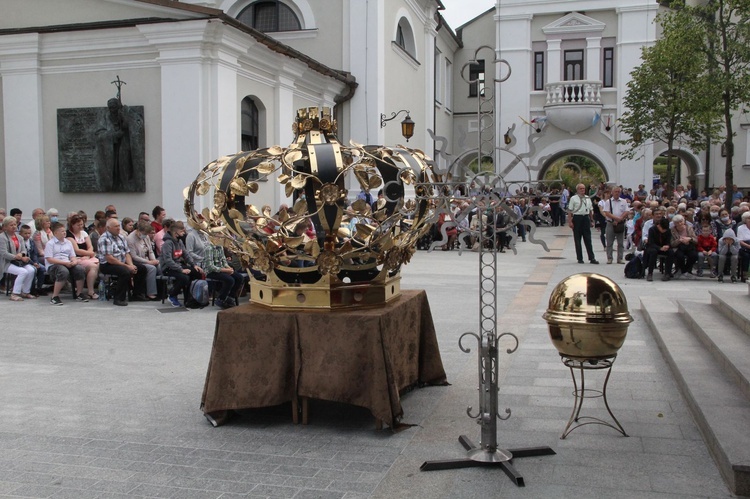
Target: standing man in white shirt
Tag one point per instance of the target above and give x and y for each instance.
(581, 219)
(614, 210)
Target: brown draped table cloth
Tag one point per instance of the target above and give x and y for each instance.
(364, 357)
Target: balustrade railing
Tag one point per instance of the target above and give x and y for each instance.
(573, 92)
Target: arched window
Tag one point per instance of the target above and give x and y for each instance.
(405, 38)
(250, 120)
(269, 16)
(250, 126)
(400, 37)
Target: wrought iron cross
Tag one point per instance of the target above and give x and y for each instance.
(487, 452)
(119, 83)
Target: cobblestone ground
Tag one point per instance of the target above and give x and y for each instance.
(103, 401)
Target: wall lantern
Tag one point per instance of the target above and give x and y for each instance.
(407, 125)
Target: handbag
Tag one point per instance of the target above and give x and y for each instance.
(618, 227)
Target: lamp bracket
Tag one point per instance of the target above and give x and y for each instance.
(383, 118)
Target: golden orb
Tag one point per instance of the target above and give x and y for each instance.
(587, 317)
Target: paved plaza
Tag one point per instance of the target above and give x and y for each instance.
(103, 402)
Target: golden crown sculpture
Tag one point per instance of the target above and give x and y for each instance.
(354, 257)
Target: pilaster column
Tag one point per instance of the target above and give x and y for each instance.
(366, 62)
(636, 29)
(554, 72)
(285, 115)
(512, 38)
(22, 115)
(593, 58)
(430, 36)
(225, 110)
(185, 77)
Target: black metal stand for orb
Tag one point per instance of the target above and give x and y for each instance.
(582, 393)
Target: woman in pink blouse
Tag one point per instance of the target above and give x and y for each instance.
(84, 251)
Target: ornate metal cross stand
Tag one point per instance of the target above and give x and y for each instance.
(487, 453)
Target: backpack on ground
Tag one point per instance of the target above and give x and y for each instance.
(635, 269)
(199, 292)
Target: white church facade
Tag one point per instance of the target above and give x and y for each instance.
(209, 83)
(571, 63)
(214, 77)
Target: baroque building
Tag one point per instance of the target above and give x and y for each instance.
(215, 77)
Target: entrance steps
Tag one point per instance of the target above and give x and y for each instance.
(707, 346)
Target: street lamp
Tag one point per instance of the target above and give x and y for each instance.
(407, 125)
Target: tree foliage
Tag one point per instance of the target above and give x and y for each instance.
(571, 170)
(670, 97)
(692, 80)
(726, 46)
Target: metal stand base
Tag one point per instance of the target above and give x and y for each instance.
(582, 393)
(477, 457)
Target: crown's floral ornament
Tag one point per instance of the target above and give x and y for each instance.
(319, 253)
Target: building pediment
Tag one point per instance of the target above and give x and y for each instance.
(574, 22)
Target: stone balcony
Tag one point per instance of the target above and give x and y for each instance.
(574, 105)
(572, 93)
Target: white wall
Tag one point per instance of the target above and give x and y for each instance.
(190, 77)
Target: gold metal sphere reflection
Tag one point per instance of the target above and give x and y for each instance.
(587, 316)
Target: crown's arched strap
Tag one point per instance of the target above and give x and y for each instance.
(393, 188)
(326, 164)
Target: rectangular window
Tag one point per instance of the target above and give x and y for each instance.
(538, 70)
(573, 65)
(438, 78)
(476, 72)
(608, 78)
(448, 85)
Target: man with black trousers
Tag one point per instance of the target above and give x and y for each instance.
(659, 243)
(581, 220)
(114, 255)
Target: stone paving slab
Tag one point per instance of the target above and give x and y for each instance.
(103, 401)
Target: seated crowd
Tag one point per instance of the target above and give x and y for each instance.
(690, 237)
(128, 258)
(697, 231)
(679, 231)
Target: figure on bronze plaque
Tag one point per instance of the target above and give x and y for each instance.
(102, 149)
(114, 147)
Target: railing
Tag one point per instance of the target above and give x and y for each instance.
(573, 92)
